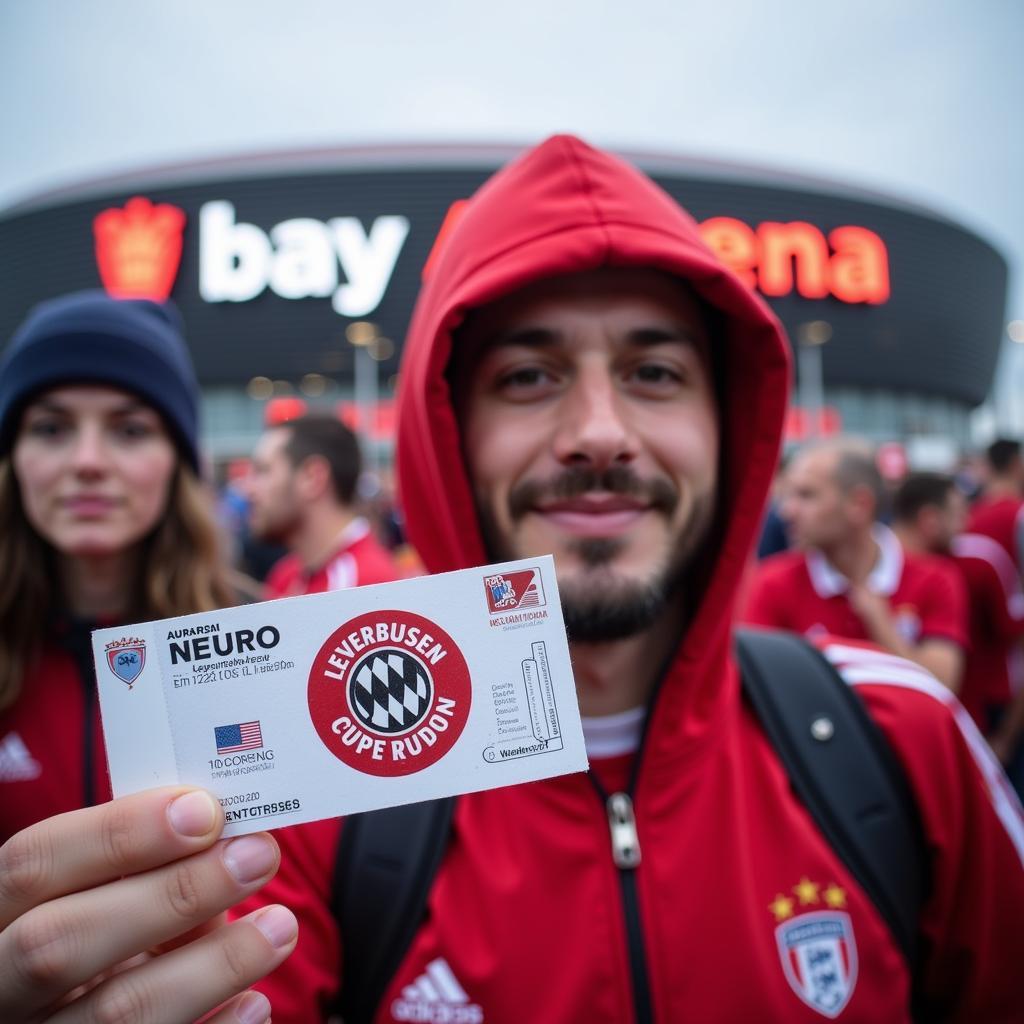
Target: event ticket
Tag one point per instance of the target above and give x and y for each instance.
(313, 707)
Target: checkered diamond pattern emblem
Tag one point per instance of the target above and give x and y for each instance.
(390, 691)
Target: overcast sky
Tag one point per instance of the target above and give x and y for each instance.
(918, 99)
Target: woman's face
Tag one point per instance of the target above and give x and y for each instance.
(94, 466)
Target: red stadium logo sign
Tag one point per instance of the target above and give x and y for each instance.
(138, 249)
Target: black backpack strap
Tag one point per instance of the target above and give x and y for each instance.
(838, 762)
(844, 771)
(385, 867)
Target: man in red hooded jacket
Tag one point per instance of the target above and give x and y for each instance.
(583, 376)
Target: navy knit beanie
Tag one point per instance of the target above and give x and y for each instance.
(88, 337)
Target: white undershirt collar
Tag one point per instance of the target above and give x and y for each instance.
(355, 529)
(883, 579)
(614, 735)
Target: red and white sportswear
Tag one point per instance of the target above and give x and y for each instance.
(358, 560)
(1002, 519)
(994, 666)
(803, 592)
(739, 910)
(51, 743)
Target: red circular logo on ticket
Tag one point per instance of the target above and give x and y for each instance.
(389, 693)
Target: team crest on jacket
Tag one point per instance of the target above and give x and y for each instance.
(819, 958)
(389, 693)
(126, 658)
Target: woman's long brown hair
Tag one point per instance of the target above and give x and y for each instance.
(181, 570)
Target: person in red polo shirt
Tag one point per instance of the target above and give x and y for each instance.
(999, 512)
(850, 576)
(301, 491)
(929, 513)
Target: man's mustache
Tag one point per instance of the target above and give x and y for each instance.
(575, 481)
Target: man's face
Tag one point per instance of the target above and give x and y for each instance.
(1017, 472)
(948, 520)
(813, 504)
(274, 510)
(590, 432)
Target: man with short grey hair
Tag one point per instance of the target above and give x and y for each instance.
(850, 576)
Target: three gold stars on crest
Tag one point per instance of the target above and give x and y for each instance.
(809, 894)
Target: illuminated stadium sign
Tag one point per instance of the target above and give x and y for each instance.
(138, 249)
(270, 260)
(852, 265)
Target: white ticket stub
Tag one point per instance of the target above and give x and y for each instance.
(314, 707)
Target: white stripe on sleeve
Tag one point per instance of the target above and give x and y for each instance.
(858, 666)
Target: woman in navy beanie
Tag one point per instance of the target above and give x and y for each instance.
(102, 520)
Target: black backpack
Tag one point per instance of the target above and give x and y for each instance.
(838, 762)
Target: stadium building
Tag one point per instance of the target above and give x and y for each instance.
(296, 273)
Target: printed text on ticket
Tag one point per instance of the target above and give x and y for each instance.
(314, 707)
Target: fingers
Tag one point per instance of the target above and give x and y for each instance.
(181, 986)
(249, 1008)
(81, 849)
(54, 948)
(207, 926)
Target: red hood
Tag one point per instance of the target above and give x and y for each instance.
(560, 208)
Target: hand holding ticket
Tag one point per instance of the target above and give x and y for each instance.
(319, 706)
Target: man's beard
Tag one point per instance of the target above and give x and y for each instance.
(278, 529)
(603, 606)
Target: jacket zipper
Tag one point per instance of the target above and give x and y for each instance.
(626, 857)
(622, 823)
